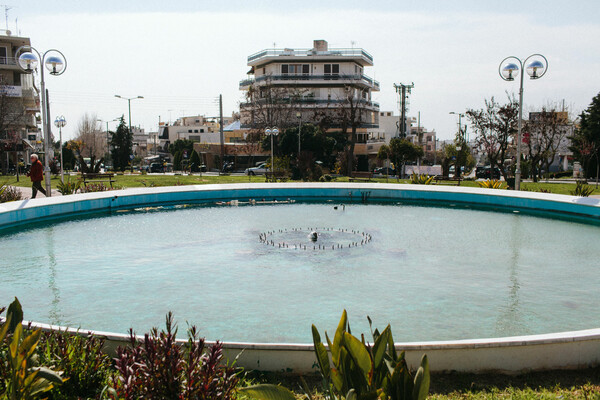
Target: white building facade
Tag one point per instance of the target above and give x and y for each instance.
(318, 85)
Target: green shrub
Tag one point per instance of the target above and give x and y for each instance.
(9, 193)
(21, 376)
(490, 184)
(80, 358)
(326, 178)
(358, 370)
(421, 179)
(68, 187)
(582, 189)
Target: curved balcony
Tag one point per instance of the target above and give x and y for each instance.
(308, 102)
(330, 80)
(262, 55)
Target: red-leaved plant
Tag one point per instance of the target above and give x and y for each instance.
(160, 368)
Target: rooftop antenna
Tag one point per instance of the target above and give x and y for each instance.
(352, 43)
(6, 8)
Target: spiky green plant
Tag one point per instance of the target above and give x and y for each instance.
(582, 189)
(490, 184)
(421, 179)
(21, 377)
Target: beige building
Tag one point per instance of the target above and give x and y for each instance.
(320, 85)
(19, 105)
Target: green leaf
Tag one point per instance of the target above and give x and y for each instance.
(321, 353)
(337, 379)
(379, 347)
(268, 392)
(339, 333)
(359, 354)
(16, 311)
(422, 380)
(49, 375)
(29, 344)
(4, 328)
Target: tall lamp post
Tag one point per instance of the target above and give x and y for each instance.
(60, 123)
(299, 116)
(129, 104)
(56, 63)
(272, 132)
(462, 139)
(507, 71)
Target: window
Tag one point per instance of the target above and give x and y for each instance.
(295, 69)
(3, 55)
(332, 70)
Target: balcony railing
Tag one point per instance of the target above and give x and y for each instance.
(8, 61)
(309, 101)
(330, 77)
(310, 53)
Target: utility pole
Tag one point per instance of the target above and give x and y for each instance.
(401, 89)
(221, 131)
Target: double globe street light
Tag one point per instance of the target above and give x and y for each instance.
(60, 123)
(56, 63)
(508, 70)
(272, 132)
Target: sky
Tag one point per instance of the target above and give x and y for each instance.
(181, 55)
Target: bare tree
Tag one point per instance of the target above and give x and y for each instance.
(12, 118)
(91, 138)
(351, 113)
(495, 126)
(544, 133)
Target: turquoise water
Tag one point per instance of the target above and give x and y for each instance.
(433, 273)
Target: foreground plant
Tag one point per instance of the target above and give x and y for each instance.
(490, 184)
(359, 370)
(69, 187)
(21, 376)
(9, 193)
(582, 190)
(160, 368)
(83, 364)
(421, 179)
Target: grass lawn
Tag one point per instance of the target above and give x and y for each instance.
(139, 180)
(582, 384)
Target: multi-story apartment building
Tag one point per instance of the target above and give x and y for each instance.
(19, 103)
(320, 85)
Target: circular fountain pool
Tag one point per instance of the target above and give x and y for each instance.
(433, 273)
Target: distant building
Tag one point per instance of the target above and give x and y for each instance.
(19, 104)
(317, 85)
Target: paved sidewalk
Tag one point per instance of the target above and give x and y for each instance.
(26, 193)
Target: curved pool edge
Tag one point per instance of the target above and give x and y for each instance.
(508, 355)
(565, 350)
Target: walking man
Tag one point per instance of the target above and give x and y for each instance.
(36, 174)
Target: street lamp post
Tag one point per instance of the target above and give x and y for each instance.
(462, 140)
(272, 132)
(56, 62)
(507, 71)
(60, 122)
(107, 141)
(299, 116)
(129, 104)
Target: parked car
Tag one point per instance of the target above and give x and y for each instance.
(156, 167)
(384, 171)
(260, 169)
(486, 172)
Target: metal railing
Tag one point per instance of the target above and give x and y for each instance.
(310, 53)
(306, 77)
(8, 61)
(307, 100)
